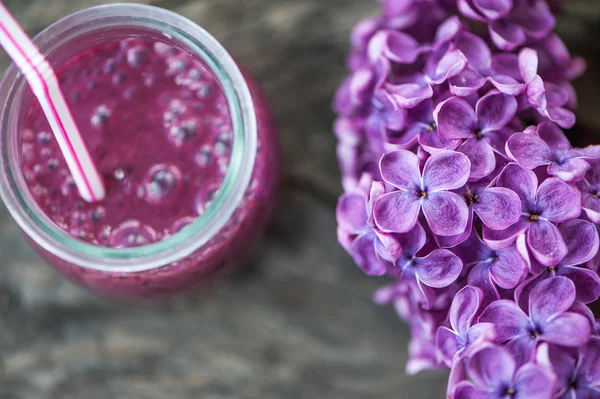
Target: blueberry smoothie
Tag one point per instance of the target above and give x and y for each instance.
(158, 127)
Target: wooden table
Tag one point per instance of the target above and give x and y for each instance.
(299, 323)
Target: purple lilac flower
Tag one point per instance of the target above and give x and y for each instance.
(554, 201)
(590, 193)
(356, 234)
(577, 374)
(547, 319)
(464, 336)
(474, 214)
(445, 211)
(581, 239)
(492, 269)
(483, 128)
(438, 269)
(495, 375)
(549, 146)
(509, 25)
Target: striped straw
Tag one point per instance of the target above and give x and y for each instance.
(44, 84)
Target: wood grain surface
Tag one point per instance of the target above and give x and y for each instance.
(298, 322)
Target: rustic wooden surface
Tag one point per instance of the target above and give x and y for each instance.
(299, 324)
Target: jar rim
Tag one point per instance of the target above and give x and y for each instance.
(180, 30)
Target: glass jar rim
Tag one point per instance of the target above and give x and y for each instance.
(181, 30)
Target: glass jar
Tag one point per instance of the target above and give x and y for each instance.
(215, 239)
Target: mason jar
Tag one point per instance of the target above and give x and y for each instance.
(200, 245)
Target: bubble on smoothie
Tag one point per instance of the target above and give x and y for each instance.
(101, 115)
(162, 183)
(137, 57)
(204, 91)
(149, 79)
(68, 187)
(78, 218)
(109, 66)
(53, 164)
(119, 78)
(195, 74)
(181, 223)
(131, 234)
(223, 144)
(183, 132)
(46, 153)
(91, 85)
(119, 174)
(98, 214)
(129, 93)
(28, 154)
(176, 65)
(44, 138)
(165, 50)
(204, 156)
(28, 136)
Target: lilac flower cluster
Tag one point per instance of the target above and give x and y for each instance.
(463, 190)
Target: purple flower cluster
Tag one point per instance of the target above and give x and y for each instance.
(463, 190)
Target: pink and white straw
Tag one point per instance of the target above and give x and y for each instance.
(44, 84)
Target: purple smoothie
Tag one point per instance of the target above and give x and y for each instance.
(157, 125)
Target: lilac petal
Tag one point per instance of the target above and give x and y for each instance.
(480, 277)
(522, 348)
(571, 170)
(581, 238)
(523, 182)
(433, 142)
(465, 390)
(537, 19)
(401, 169)
(560, 362)
(351, 213)
(528, 150)
(400, 47)
(498, 208)
(455, 119)
(466, 83)
(492, 368)
(523, 291)
(498, 139)
(451, 64)
(587, 283)
(536, 94)
(528, 64)
(550, 298)
(509, 268)
(546, 243)
(493, 9)
(464, 308)
(553, 136)
(446, 212)
(586, 312)
(586, 393)
(481, 334)
(507, 85)
(412, 241)
(467, 8)
(567, 329)
(590, 361)
(483, 160)
(366, 257)
(495, 110)
(439, 269)
(445, 170)
(409, 95)
(476, 50)
(507, 64)
(531, 382)
(458, 375)
(396, 212)
(499, 239)
(428, 295)
(562, 116)
(448, 343)
(591, 206)
(453, 241)
(448, 30)
(506, 35)
(509, 320)
(558, 201)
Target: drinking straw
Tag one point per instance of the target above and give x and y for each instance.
(44, 84)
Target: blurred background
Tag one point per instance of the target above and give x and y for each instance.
(297, 322)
